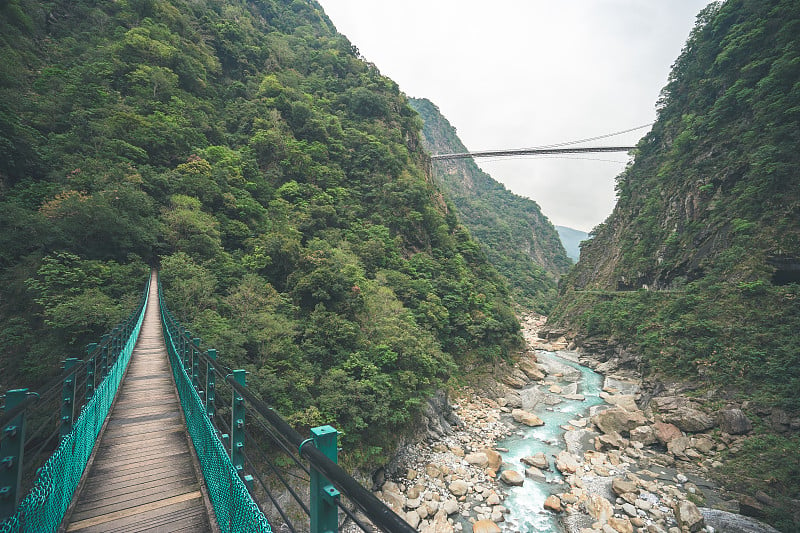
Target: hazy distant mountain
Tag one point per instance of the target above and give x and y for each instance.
(571, 239)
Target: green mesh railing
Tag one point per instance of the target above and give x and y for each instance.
(43, 509)
(234, 507)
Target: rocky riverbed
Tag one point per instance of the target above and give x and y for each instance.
(629, 464)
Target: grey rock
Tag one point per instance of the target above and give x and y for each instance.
(619, 420)
(689, 516)
(512, 477)
(689, 419)
(726, 522)
(734, 422)
(629, 509)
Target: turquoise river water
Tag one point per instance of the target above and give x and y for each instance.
(526, 502)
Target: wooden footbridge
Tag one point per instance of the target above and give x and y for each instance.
(143, 475)
(148, 433)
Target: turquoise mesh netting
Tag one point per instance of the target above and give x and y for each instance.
(44, 507)
(233, 505)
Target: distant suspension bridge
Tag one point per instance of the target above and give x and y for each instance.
(553, 149)
(531, 151)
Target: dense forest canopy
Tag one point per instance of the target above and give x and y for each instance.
(275, 177)
(698, 267)
(519, 240)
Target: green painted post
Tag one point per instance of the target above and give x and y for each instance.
(182, 344)
(187, 347)
(91, 367)
(12, 448)
(68, 398)
(210, 386)
(324, 514)
(115, 345)
(237, 423)
(104, 356)
(195, 369)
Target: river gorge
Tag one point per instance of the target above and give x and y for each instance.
(552, 445)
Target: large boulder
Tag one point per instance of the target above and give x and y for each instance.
(620, 525)
(644, 434)
(516, 379)
(666, 432)
(512, 478)
(439, 524)
(539, 460)
(566, 463)
(734, 422)
(678, 447)
(626, 401)
(620, 486)
(478, 459)
(553, 503)
(599, 508)
(459, 487)
(535, 474)
(531, 369)
(619, 420)
(689, 419)
(392, 497)
(450, 506)
(689, 516)
(485, 526)
(495, 459)
(526, 418)
(668, 403)
(610, 440)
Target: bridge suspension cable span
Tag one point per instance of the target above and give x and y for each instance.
(531, 151)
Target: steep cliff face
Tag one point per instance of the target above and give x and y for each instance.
(519, 240)
(694, 275)
(714, 188)
(707, 220)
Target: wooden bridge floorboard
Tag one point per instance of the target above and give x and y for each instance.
(143, 477)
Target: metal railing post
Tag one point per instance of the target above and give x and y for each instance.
(68, 399)
(11, 451)
(237, 423)
(104, 356)
(324, 513)
(116, 345)
(210, 386)
(91, 367)
(185, 334)
(195, 369)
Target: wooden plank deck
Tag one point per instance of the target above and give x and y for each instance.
(143, 476)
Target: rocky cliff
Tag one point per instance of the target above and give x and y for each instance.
(695, 274)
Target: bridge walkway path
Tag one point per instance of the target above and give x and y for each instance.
(143, 476)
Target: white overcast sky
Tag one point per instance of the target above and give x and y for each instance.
(525, 73)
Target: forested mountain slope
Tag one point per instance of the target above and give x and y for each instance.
(519, 240)
(697, 270)
(276, 177)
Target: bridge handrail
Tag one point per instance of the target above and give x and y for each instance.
(233, 505)
(375, 510)
(51, 388)
(44, 506)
